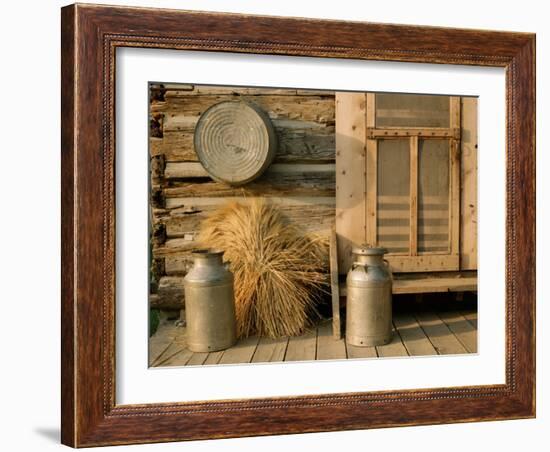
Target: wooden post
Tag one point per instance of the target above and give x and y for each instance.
(454, 180)
(413, 193)
(371, 170)
(468, 189)
(334, 286)
(350, 174)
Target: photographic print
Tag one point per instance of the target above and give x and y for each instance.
(307, 225)
(297, 208)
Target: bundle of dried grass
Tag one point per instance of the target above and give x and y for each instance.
(280, 273)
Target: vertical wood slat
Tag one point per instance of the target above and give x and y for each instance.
(413, 193)
(454, 180)
(371, 172)
(350, 174)
(334, 285)
(468, 182)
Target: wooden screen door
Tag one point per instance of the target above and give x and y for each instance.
(398, 179)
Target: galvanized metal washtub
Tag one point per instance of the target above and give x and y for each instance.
(209, 303)
(235, 142)
(369, 299)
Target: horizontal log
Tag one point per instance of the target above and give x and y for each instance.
(297, 142)
(278, 180)
(305, 107)
(178, 265)
(170, 294)
(176, 247)
(185, 89)
(182, 222)
(312, 215)
(185, 170)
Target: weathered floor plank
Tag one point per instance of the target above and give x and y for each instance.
(241, 353)
(214, 357)
(444, 341)
(197, 359)
(157, 346)
(462, 329)
(302, 348)
(270, 350)
(414, 339)
(327, 346)
(394, 348)
(360, 352)
(177, 355)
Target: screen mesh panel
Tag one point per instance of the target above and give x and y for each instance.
(433, 195)
(412, 110)
(393, 200)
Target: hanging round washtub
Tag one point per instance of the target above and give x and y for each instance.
(235, 142)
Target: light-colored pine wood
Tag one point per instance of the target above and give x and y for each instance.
(454, 211)
(371, 171)
(422, 132)
(414, 339)
(423, 263)
(334, 285)
(462, 329)
(327, 346)
(436, 285)
(454, 112)
(242, 352)
(439, 334)
(350, 174)
(468, 190)
(270, 350)
(413, 201)
(302, 348)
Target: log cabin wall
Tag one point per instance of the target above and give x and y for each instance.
(301, 179)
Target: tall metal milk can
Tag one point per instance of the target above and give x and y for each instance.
(209, 303)
(369, 299)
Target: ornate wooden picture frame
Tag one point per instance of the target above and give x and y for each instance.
(90, 37)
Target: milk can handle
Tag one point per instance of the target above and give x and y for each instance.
(389, 268)
(227, 265)
(360, 264)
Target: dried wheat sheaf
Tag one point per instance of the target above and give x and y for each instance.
(280, 272)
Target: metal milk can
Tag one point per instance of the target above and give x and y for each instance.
(209, 303)
(369, 299)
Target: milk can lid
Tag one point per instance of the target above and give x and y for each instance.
(207, 252)
(366, 250)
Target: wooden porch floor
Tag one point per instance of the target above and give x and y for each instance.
(415, 334)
